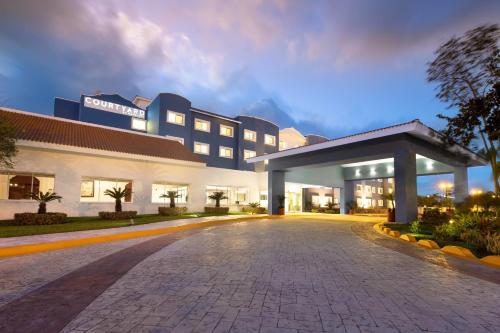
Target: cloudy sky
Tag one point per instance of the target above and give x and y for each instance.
(328, 67)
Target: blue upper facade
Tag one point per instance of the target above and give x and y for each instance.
(220, 141)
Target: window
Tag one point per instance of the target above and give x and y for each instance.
(368, 189)
(380, 180)
(359, 202)
(159, 189)
(374, 189)
(390, 180)
(202, 125)
(226, 131)
(248, 154)
(202, 148)
(175, 138)
(175, 118)
(270, 140)
(380, 190)
(359, 187)
(381, 203)
(138, 124)
(19, 186)
(92, 189)
(235, 195)
(282, 145)
(249, 135)
(225, 152)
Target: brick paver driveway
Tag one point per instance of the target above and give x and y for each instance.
(288, 276)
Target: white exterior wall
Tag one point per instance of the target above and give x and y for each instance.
(69, 168)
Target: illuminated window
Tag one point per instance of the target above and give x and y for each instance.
(359, 187)
(159, 189)
(380, 190)
(19, 186)
(235, 195)
(368, 189)
(248, 154)
(175, 138)
(249, 135)
(138, 124)
(202, 125)
(93, 189)
(270, 140)
(374, 189)
(202, 148)
(175, 118)
(381, 203)
(282, 145)
(226, 131)
(225, 152)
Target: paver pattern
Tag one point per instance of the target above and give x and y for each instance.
(289, 276)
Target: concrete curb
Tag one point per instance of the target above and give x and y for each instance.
(456, 251)
(58, 245)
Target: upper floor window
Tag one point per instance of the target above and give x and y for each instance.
(202, 148)
(248, 154)
(202, 125)
(19, 186)
(282, 145)
(270, 140)
(138, 124)
(225, 152)
(359, 187)
(226, 131)
(175, 138)
(368, 189)
(175, 118)
(93, 189)
(249, 135)
(380, 190)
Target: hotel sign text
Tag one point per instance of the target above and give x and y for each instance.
(113, 107)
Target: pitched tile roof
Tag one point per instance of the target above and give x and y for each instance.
(47, 129)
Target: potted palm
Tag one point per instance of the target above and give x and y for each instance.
(391, 212)
(281, 204)
(118, 194)
(41, 217)
(217, 196)
(172, 210)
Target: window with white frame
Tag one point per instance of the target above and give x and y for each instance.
(359, 187)
(225, 152)
(202, 148)
(159, 193)
(381, 203)
(138, 124)
(226, 130)
(248, 154)
(368, 189)
(19, 186)
(235, 194)
(93, 189)
(270, 140)
(201, 125)
(249, 135)
(175, 138)
(380, 190)
(374, 189)
(175, 118)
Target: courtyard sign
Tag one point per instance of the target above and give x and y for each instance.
(113, 107)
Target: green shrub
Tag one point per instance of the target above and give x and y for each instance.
(39, 219)
(434, 217)
(474, 237)
(444, 233)
(253, 210)
(415, 227)
(118, 215)
(493, 243)
(172, 211)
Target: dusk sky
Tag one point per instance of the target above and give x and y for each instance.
(326, 67)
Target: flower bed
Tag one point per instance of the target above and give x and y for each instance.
(39, 219)
(253, 210)
(118, 215)
(217, 210)
(172, 211)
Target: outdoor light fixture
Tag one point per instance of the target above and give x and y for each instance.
(390, 169)
(373, 172)
(429, 165)
(358, 173)
(476, 191)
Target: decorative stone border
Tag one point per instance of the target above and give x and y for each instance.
(457, 251)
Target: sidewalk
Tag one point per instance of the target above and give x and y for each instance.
(64, 236)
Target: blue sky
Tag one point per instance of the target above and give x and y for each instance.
(328, 67)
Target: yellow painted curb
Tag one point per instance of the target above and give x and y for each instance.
(394, 233)
(408, 238)
(458, 251)
(386, 230)
(493, 261)
(429, 244)
(42, 247)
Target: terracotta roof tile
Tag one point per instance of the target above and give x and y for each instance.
(33, 127)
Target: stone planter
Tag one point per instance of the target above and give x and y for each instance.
(172, 211)
(391, 215)
(130, 214)
(253, 210)
(281, 211)
(39, 219)
(217, 210)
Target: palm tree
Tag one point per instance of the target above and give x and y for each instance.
(118, 194)
(43, 198)
(171, 195)
(217, 196)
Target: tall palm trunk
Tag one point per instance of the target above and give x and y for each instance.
(118, 205)
(172, 202)
(42, 208)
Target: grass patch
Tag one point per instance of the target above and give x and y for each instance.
(8, 229)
